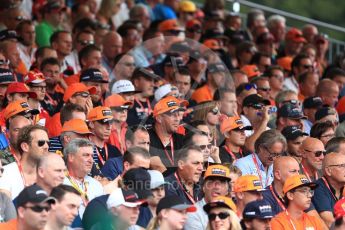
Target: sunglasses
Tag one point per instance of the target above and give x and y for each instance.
(203, 147)
(257, 106)
(85, 42)
(214, 111)
(175, 32)
(105, 122)
(265, 89)
(40, 143)
(317, 153)
(82, 94)
(39, 208)
(4, 62)
(250, 86)
(307, 66)
(221, 215)
(19, 18)
(129, 64)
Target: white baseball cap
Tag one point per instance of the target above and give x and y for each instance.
(120, 196)
(162, 91)
(157, 179)
(123, 86)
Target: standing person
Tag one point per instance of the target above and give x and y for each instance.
(33, 205)
(171, 213)
(298, 191)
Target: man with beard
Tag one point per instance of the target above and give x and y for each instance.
(78, 155)
(100, 123)
(93, 78)
(294, 138)
(216, 183)
(33, 143)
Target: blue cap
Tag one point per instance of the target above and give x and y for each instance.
(259, 209)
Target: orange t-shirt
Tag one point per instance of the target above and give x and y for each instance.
(202, 94)
(54, 126)
(284, 221)
(72, 79)
(9, 225)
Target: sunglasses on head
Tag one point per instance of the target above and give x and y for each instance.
(203, 147)
(249, 86)
(316, 153)
(221, 215)
(40, 143)
(39, 208)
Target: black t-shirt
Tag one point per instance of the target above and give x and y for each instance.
(226, 157)
(164, 153)
(139, 113)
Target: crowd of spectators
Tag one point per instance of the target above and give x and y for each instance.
(159, 114)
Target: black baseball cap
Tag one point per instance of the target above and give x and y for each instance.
(92, 75)
(7, 35)
(255, 99)
(138, 180)
(292, 132)
(173, 60)
(6, 76)
(259, 209)
(323, 112)
(312, 103)
(216, 67)
(144, 72)
(174, 202)
(291, 111)
(33, 194)
(180, 47)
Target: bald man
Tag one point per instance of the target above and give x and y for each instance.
(313, 152)
(330, 186)
(112, 46)
(328, 90)
(50, 171)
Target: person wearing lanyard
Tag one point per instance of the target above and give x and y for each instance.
(294, 138)
(313, 152)
(233, 130)
(119, 109)
(257, 215)
(216, 183)
(165, 142)
(298, 191)
(100, 122)
(143, 81)
(271, 144)
(185, 181)
(78, 156)
(330, 186)
(247, 188)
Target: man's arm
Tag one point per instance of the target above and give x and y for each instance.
(327, 218)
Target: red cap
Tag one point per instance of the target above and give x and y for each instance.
(285, 62)
(193, 23)
(295, 35)
(170, 24)
(77, 88)
(34, 77)
(339, 208)
(19, 87)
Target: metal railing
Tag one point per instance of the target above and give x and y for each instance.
(336, 47)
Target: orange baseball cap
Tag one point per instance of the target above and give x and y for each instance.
(18, 107)
(217, 171)
(76, 125)
(296, 181)
(248, 183)
(19, 87)
(220, 202)
(285, 62)
(231, 123)
(295, 35)
(251, 71)
(34, 77)
(170, 24)
(212, 44)
(339, 208)
(100, 113)
(193, 23)
(116, 100)
(77, 88)
(167, 104)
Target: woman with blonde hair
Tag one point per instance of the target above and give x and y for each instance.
(171, 214)
(107, 10)
(222, 214)
(210, 113)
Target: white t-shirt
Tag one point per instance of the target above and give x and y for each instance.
(12, 180)
(94, 189)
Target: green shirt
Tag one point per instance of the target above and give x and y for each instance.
(43, 32)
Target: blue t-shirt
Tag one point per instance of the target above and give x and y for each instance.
(145, 216)
(113, 167)
(324, 199)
